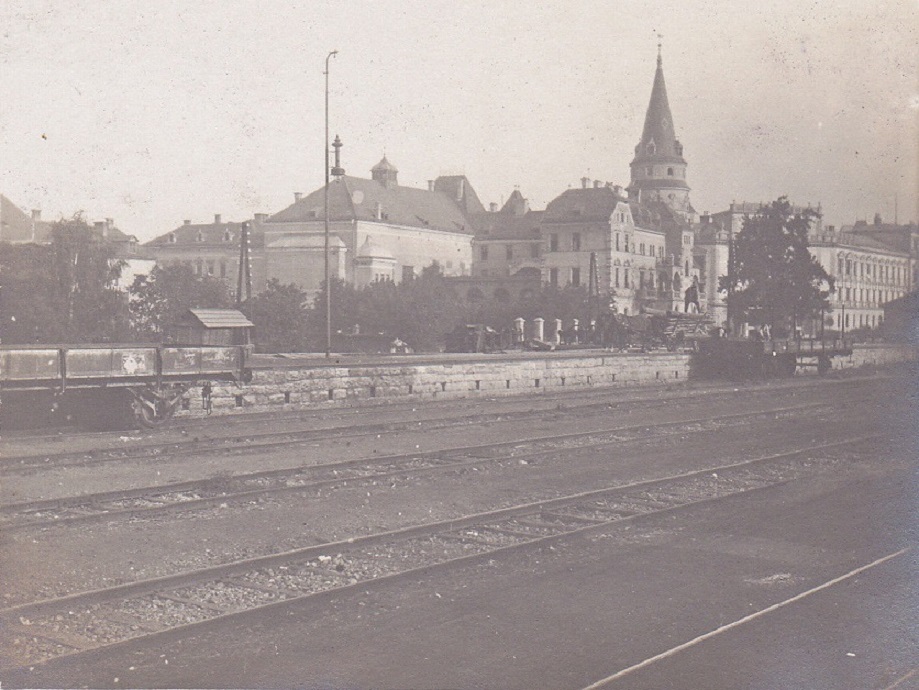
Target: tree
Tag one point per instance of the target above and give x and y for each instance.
(65, 291)
(160, 298)
(280, 316)
(774, 279)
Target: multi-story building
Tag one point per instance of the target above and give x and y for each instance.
(380, 230)
(642, 240)
(213, 249)
(869, 265)
(869, 268)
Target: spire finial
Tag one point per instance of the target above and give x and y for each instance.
(660, 38)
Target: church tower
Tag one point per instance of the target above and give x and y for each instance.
(659, 169)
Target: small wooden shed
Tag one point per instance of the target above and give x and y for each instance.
(211, 327)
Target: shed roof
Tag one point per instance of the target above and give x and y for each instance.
(221, 318)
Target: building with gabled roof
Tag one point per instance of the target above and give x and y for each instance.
(212, 249)
(410, 229)
(18, 227)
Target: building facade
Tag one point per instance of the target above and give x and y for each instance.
(213, 249)
(869, 265)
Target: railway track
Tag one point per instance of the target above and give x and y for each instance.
(255, 442)
(154, 610)
(148, 502)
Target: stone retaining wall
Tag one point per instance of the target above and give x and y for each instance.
(347, 385)
(877, 354)
(295, 387)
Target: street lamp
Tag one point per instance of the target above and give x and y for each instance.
(328, 286)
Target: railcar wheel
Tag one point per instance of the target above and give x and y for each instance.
(153, 408)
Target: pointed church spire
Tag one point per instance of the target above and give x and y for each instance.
(659, 169)
(658, 138)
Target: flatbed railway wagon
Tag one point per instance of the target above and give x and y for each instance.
(104, 386)
(734, 358)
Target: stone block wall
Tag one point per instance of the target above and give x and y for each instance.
(330, 386)
(291, 388)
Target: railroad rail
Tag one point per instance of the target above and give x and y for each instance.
(146, 502)
(156, 609)
(234, 443)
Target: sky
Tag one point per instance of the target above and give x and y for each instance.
(152, 113)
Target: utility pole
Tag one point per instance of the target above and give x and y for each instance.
(328, 286)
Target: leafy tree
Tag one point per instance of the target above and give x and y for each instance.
(160, 298)
(345, 313)
(65, 291)
(280, 316)
(774, 279)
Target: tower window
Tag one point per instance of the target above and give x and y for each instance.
(670, 172)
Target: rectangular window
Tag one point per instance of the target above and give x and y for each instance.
(484, 252)
(553, 277)
(534, 251)
(408, 274)
(617, 241)
(617, 276)
(223, 269)
(553, 243)
(509, 252)
(210, 268)
(576, 277)
(576, 242)
(641, 249)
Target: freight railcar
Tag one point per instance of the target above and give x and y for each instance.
(108, 385)
(748, 358)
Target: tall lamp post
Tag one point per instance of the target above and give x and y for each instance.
(328, 286)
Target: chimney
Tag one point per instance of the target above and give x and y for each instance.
(101, 228)
(186, 222)
(297, 196)
(493, 207)
(216, 219)
(36, 214)
(596, 184)
(260, 218)
(584, 181)
(430, 185)
(461, 190)
(378, 211)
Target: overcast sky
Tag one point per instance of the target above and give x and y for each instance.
(154, 112)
